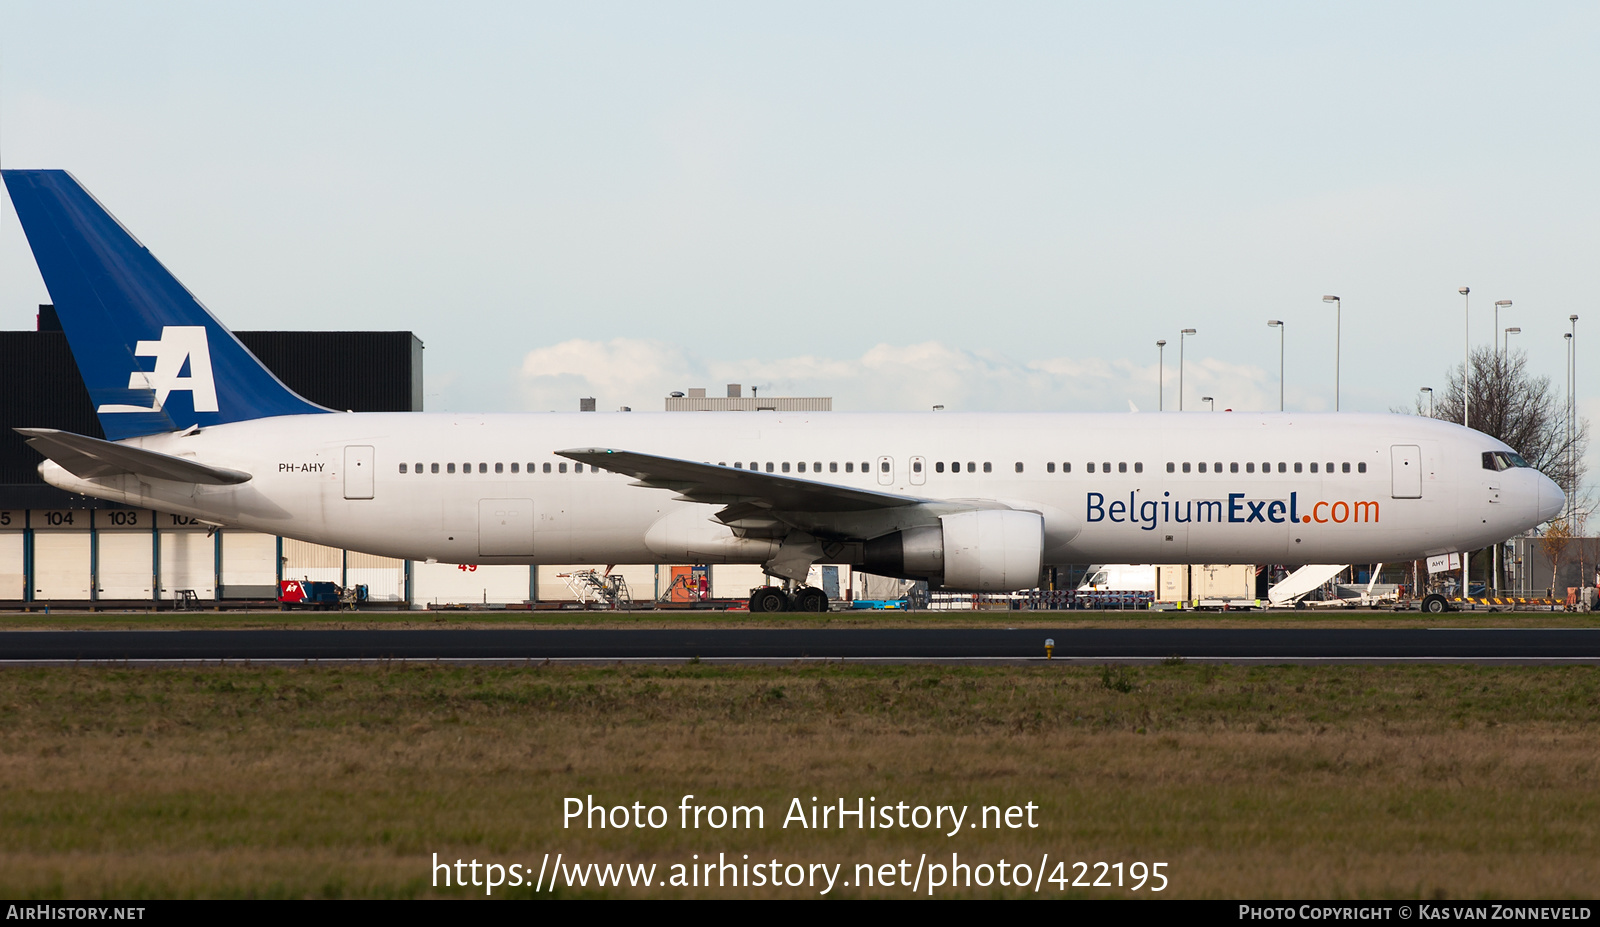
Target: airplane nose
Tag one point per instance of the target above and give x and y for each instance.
(1551, 499)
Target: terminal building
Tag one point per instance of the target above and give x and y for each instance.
(59, 547)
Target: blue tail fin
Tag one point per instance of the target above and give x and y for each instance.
(153, 357)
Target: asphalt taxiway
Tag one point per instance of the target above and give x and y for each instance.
(1250, 645)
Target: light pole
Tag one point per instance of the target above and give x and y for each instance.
(1505, 343)
(1161, 373)
(1498, 304)
(1337, 306)
(1211, 404)
(1428, 391)
(1278, 324)
(1572, 413)
(1187, 331)
(1466, 373)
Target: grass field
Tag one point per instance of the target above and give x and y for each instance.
(344, 780)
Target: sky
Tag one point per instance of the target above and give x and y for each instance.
(997, 206)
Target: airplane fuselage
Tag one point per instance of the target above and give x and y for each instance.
(1121, 488)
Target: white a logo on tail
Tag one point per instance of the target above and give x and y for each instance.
(179, 344)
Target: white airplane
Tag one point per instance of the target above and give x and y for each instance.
(198, 427)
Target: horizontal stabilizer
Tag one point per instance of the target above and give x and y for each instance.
(704, 482)
(89, 458)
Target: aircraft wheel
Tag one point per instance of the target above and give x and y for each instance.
(811, 600)
(769, 599)
(1435, 604)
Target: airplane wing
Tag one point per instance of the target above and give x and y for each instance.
(704, 482)
(88, 458)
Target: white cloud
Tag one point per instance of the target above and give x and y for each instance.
(886, 377)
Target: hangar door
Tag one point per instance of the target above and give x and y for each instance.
(125, 559)
(61, 553)
(188, 557)
(1406, 471)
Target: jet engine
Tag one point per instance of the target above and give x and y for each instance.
(992, 550)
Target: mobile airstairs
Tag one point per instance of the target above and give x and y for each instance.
(1312, 576)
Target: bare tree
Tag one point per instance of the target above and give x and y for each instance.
(1557, 535)
(1522, 410)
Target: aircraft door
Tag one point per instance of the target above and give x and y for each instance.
(505, 527)
(358, 472)
(919, 471)
(885, 471)
(1406, 471)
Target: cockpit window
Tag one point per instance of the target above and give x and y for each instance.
(1502, 460)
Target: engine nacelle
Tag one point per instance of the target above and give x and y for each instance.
(993, 550)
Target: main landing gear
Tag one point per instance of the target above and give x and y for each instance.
(775, 599)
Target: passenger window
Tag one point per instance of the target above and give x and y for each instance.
(1066, 467)
(577, 468)
(449, 468)
(986, 467)
(1050, 467)
(1105, 467)
(1138, 466)
(1122, 466)
(849, 466)
(972, 467)
(1219, 466)
(1282, 467)
(769, 466)
(1330, 467)
(1313, 466)
(1233, 467)
(499, 468)
(833, 466)
(1171, 467)
(816, 467)
(1249, 467)
(753, 465)
(483, 468)
(1090, 466)
(1344, 467)
(1202, 466)
(786, 466)
(802, 466)
(1019, 466)
(433, 468)
(547, 468)
(1297, 466)
(738, 465)
(884, 466)
(916, 466)
(402, 468)
(514, 468)
(1186, 466)
(1361, 467)
(561, 467)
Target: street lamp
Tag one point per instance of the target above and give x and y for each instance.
(1466, 374)
(1572, 411)
(1337, 306)
(1505, 342)
(1161, 373)
(1187, 331)
(1211, 404)
(1428, 391)
(1498, 304)
(1278, 324)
